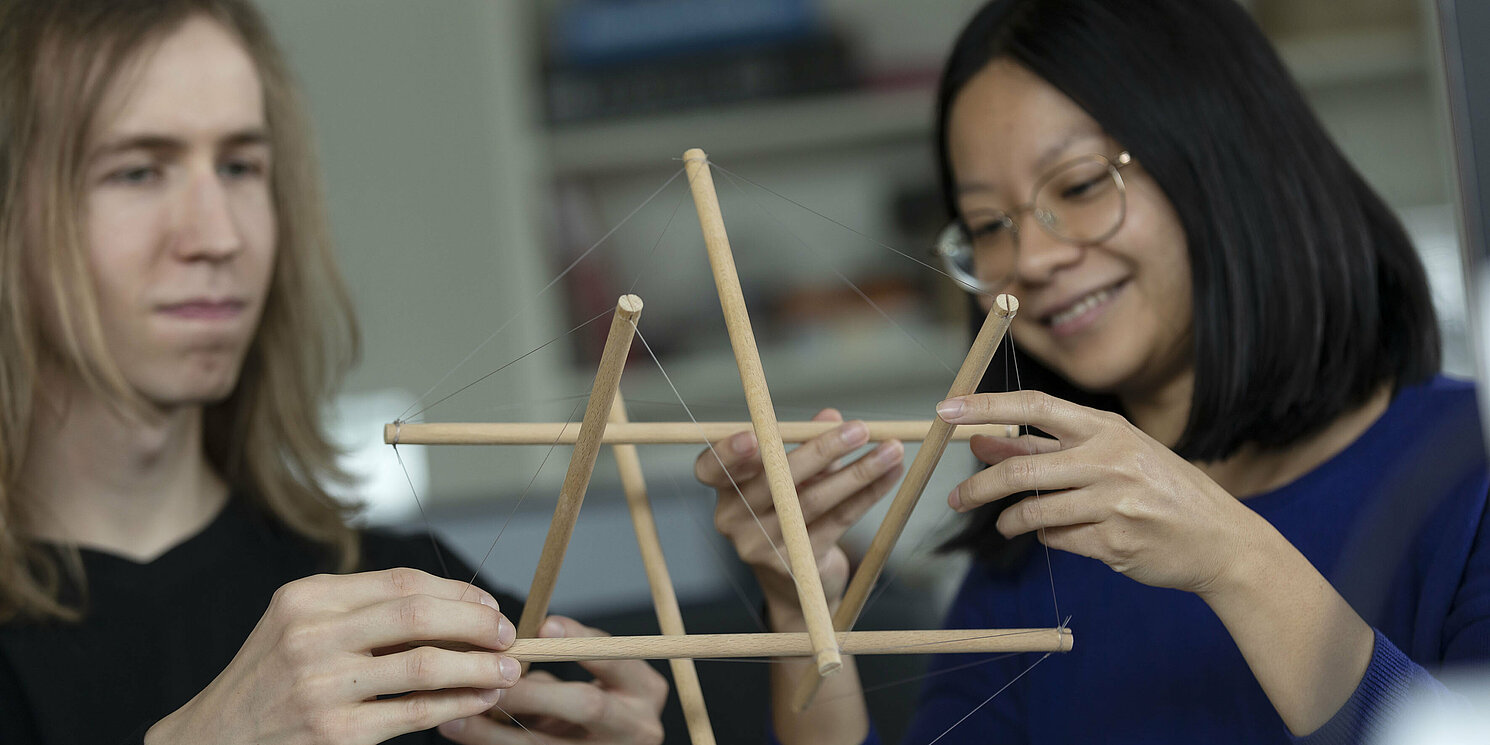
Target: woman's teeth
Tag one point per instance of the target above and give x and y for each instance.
(1083, 305)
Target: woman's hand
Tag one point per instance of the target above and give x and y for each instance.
(833, 496)
(622, 706)
(1113, 493)
(328, 646)
(1106, 490)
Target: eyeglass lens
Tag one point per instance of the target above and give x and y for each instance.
(1079, 202)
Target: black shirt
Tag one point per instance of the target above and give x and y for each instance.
(156, 634)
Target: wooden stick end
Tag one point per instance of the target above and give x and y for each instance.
(1006, 305)
(390, 433)
(695, 153)
(629, 305)
(828, 662)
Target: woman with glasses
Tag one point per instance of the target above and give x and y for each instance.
(1265, 509)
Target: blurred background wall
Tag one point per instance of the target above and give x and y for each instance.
(473, 149)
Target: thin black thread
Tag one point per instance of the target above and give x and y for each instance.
(1049, 566)
(881, 244)
(841, 276)
(784, 563)
(523, 497)
(529, 306)
(990, 698)
(429, 527)
(520, 358)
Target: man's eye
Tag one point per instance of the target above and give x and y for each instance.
(239, 169)
(134, 175)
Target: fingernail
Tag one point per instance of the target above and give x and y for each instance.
(510, 669)
(553, 629)
(490, 602)
(743, 443)
(506, 632)
(888, 453)
(854, 433)
(489, 695)
(949, 409)
(954, 500)
(454, 728)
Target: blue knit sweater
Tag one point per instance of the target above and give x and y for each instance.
(1397, 521)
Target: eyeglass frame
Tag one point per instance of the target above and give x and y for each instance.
(956, 232)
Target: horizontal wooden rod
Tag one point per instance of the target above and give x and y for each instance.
(790, 644)
(655, 433)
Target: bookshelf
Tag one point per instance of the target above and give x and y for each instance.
(1322, 62)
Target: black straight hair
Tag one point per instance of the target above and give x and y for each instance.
(1308, 296)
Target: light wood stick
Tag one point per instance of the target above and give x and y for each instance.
(664, 599)
(581, 464)
(763, 414)
(995, 325)
(654, 433)
(790, 644)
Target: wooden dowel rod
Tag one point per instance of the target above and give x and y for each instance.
(791, 644)
(995, 326)
(581, 463)
(654, 433)
(664, 598)
(783, 489)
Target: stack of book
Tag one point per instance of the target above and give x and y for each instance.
(612, 58)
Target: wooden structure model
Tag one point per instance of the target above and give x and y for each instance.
(828, 635)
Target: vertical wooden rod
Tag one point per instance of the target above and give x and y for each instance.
(995, 326)
(763, 416)
(581, 463)
(664, 598)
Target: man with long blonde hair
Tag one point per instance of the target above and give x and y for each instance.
(171, 320)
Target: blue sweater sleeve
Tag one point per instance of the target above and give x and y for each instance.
(1392, 680)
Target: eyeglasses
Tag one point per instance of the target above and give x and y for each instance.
(1081, 201)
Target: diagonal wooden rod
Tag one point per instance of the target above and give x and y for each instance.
(763, 415)
(581, 463)
(995, 326)
(654, 433)
(791, 644)
(664, 599)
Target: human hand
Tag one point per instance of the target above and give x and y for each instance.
(833, 497)
(1107, 491)
(622, 706)
(329, 645)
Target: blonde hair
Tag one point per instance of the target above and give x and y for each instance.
(58, 59)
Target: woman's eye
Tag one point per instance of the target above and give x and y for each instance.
(986, 229)
(990, 230)
(1083, 189)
